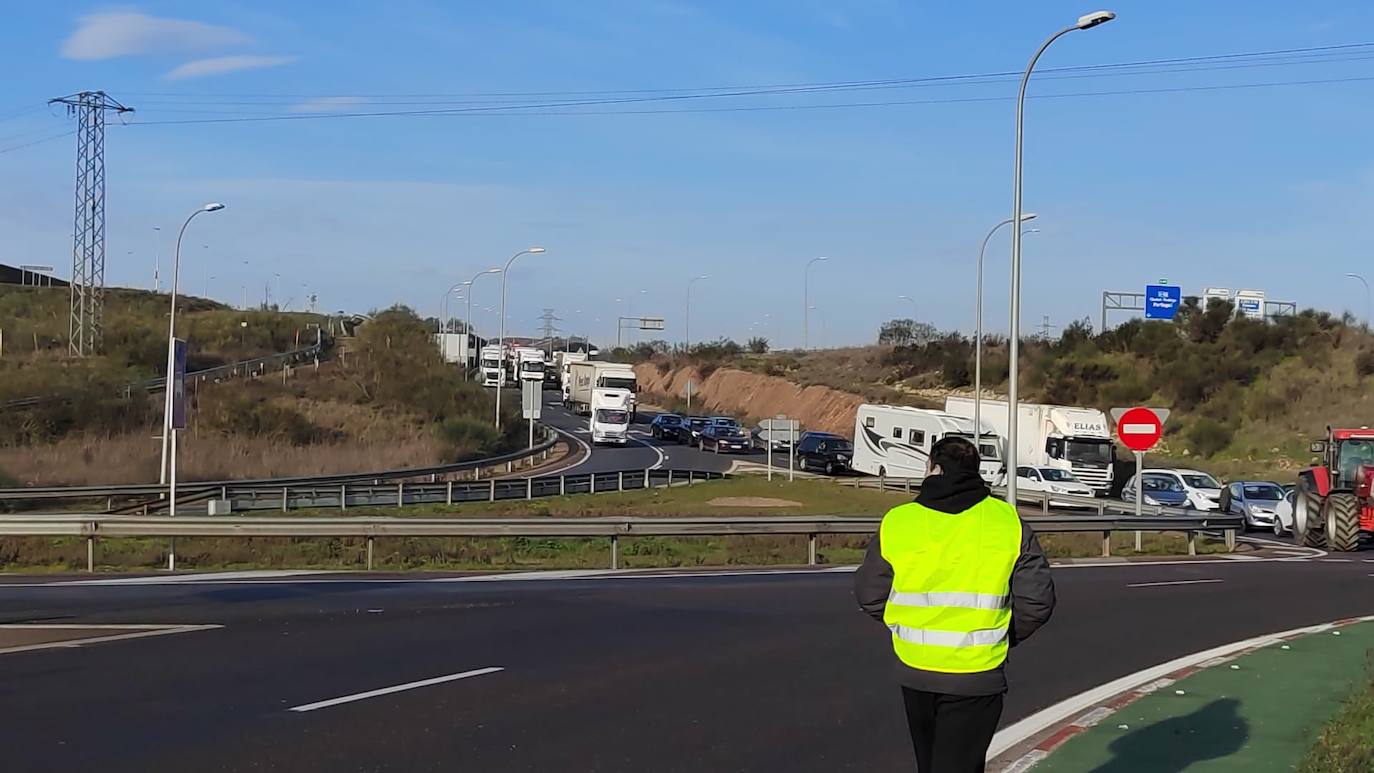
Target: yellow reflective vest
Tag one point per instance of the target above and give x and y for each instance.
(950, 605)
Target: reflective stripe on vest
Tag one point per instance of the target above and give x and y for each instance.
(949, 638)
(950, 605)
(961, 600)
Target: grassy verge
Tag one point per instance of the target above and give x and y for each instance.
(810, 497)
(1346, 745)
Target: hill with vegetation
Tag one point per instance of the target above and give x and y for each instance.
(389, 402)
(1247, 396)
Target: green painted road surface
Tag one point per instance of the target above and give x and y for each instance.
(1262, 716)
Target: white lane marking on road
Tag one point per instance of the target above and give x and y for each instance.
(586, 450)
(657, 452)
(1170, 582)
(1337, 560)
(172, 579)
(1042, 720)
(394, 689)
(162, 630)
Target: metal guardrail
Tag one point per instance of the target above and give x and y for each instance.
(217, 373)
(614, 528)
(1046, 500)
(193, 491)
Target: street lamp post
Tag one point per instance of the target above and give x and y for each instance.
(505, 272)
(687, 318)
(1367, 302)
(157, 258)
(169, 437)
(806, 302)
(467, 342)
(978, 328)
(1085, 22)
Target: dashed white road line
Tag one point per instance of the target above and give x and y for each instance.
(395, 689)
(1170, 582)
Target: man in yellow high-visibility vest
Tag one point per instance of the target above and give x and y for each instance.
(958, 579)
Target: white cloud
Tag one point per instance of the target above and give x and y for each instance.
(128, 33)
(328, 104)
(226, 64)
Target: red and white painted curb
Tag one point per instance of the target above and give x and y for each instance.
(1020, 746)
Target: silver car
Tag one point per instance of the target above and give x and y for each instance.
(1256, 501)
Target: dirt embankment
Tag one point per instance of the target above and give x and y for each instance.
(755, 396)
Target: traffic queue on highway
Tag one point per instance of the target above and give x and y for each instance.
(1062, 450)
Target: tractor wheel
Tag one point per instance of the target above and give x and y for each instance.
(1342, 512)
(1308, 527)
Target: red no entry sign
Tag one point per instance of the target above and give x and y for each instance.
(1139, 429)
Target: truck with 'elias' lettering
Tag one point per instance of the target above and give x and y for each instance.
(588, 376)
(1063, 437)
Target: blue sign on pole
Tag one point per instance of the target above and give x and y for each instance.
(1161, 301)
(177, 383)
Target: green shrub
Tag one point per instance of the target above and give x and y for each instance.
(1209, 436)
(465, 434)
(1364, 363)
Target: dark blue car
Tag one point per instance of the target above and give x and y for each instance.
(668, 426)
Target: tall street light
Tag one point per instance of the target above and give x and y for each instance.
(443, 306)
(978, 328)
(467, 344)
(157, 258)
(505, 272)
(168, 436)
(1367, 303)
(687, 319)
(1085, 22)
(806, 302)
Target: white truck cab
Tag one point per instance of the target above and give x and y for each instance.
(610, 416)
(1076, 440)
(530, 364)
(492, 366)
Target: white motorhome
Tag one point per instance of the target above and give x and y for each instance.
(493, 365)
(610, 416)
(587, 376)
(894, 441)
(1077, 440)
(530, 364)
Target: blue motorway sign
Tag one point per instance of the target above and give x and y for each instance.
(1161, 301)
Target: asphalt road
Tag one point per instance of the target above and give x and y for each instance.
(725, 673)
(642, 452)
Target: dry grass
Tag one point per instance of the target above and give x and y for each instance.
(134, 459)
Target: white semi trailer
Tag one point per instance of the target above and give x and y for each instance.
(1064, 437)
(588, 376)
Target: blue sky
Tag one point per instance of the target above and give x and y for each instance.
(1259, 187)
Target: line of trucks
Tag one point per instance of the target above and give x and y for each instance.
(605, 392)
(895, 441)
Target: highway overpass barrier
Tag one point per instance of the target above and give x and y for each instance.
(93, 527)
(360, 488)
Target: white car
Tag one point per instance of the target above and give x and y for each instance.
(1283, 514)
(1204, 492)
(1054, 481)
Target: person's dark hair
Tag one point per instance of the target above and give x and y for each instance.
(954, 454)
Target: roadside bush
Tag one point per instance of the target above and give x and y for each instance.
(465, 434)
(1209, 436)
(249, 415)
(1364, 363)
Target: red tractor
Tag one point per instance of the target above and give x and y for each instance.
(1334, 503)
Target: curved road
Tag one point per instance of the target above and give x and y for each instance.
(771, 671)
(642, 452)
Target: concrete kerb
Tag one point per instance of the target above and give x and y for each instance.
(1022, 745)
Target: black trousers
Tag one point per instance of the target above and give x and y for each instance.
(951, 733)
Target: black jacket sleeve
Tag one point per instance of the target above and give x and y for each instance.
(873, 581)
(1032, 588)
